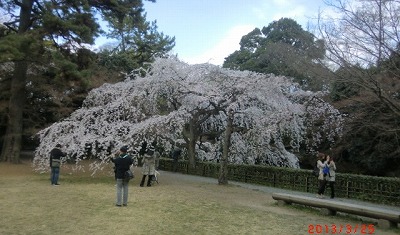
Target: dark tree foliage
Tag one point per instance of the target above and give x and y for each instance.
(344, 88)
(138, 41)
(145, 44)
(45, 70)
(370, 144)
(281, 48)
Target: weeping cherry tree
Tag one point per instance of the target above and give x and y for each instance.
(218, 114)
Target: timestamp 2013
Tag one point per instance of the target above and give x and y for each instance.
(341, 229)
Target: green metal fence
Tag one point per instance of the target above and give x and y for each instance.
(367, 188)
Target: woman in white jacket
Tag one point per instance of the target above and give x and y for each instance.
(149, 166)
(322, 178)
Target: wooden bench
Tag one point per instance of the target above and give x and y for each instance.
(386, 218)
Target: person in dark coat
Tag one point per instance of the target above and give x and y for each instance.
(122, 163)
(55, 162)
(175, 154)
(332, 176)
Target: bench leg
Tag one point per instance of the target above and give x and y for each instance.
(282, 202)
(326, 211)
(386, 224)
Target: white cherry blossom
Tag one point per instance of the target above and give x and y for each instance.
(273, 117)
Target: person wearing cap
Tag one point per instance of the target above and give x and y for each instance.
(122, 163)
(149, 166)
(55, 162)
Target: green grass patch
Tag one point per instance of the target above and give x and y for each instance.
(83, 204)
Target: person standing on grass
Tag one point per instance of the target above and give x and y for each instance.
(122, 163)
(55, 162)
(149, 166)
(332, 176)
(175, 154)
(322, 178)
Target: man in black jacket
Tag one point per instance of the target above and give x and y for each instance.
(122, 164)
(55, 162)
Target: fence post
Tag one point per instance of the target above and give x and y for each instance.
(307, 184)
(294, 180)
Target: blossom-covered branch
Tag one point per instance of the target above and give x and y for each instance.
(273, 118)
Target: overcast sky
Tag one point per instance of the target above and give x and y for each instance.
(210, 30)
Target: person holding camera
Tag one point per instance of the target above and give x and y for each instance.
(122, 163)
(322, 177)
(55, 163)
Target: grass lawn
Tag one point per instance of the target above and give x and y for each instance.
(86, 205)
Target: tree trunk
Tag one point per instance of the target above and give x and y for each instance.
(223, 170)
(192, 153)
(192, 145)
(12, 140)
(190, 136)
